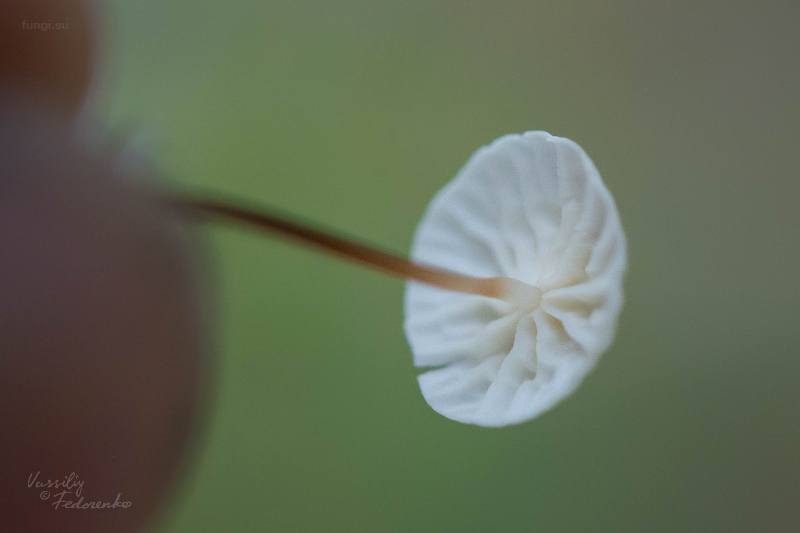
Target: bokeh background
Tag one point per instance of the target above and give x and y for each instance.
(354, 113)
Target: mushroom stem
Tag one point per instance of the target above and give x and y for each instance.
(507, 289)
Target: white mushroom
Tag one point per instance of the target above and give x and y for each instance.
(532, 208)
(516, 280)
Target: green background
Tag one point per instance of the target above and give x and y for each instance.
(354, 113)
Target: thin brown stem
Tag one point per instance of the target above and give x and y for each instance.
(501, 288)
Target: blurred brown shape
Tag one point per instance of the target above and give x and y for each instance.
(45, 61)
(103, 367)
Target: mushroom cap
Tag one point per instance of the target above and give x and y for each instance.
(530, 207)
